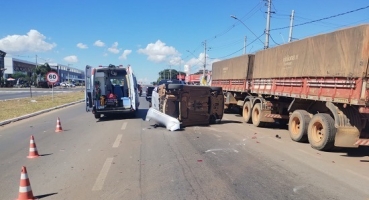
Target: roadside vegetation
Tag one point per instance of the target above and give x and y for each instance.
(15, 108)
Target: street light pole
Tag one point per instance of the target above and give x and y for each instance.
(234, 17)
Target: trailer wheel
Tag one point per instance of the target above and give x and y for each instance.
(256, 115)
(246, 112)
(97, 116)
(298, 125)
(321, 132)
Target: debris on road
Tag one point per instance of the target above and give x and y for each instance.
(169, 122)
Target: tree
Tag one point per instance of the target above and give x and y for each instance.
(42, 70)
(166, 73)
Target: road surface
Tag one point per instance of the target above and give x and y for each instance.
(14, 93)
(130, 159)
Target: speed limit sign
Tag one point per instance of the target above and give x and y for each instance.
(52, 77)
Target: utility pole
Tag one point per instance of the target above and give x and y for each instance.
(170, 72)
(267, 29)
(244, 45)
(203, 73)
(291, 24)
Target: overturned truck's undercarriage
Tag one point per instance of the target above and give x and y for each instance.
(190, 105)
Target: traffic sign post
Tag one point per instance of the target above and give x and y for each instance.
(52, 77)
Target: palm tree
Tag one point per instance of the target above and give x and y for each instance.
(41, 71)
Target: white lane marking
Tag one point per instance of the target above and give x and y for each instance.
(225, 150)
(357, 174)
(117, 141)
(297, 188)
(124, 125)
(102, 176)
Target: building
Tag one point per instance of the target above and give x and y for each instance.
(68, 73)
(14, 65)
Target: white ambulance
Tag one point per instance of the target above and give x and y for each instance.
(111, 90)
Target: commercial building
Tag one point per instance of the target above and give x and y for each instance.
(66, 72)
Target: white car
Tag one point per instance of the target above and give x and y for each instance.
(70, 85)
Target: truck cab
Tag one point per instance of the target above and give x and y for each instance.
(111, 90)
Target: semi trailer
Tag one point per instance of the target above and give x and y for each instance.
(318, 86)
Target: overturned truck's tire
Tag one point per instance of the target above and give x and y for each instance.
(298, 125)
(321, 132)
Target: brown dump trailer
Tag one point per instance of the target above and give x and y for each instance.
(318, 86)
(191, 105)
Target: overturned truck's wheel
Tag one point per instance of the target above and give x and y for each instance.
(246, 112)
(298, 125)
(256, 115)
(321, 132)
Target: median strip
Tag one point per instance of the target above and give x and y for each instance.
(15, 110)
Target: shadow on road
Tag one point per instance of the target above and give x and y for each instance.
(46, 154)
(362, 151)
(45, 195)
(141, 113)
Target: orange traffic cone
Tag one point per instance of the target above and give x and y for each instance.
(25, 190)
(58, 126)
(33, 153)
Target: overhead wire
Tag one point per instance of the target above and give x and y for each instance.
(321, 19)
(230, 27)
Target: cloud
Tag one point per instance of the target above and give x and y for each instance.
(34, 41)
(199, 61)
(125, 54)
(98, 43)
(82, 46)
(159, 52)
(114, 48)
(71, 59)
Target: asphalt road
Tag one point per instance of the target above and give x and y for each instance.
(130, 159)
(14, 93)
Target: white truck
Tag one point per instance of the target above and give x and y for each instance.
(111, 90)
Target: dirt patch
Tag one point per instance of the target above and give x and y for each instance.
(18, 107)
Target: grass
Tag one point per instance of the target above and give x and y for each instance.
(15, 108)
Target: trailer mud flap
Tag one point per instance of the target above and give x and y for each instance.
(169, 122)
(346, 137)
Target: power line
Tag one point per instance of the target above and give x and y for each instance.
(241, 48)
(322, 18)
(229, 28)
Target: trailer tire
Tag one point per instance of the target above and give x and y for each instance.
(256, 115)
(321, 132)
(247, 111)
(298, 125)
(97, 115)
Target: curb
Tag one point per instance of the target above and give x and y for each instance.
(2, 123)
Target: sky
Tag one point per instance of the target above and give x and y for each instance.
(153, 35)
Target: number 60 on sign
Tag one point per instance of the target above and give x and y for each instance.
(52, 77)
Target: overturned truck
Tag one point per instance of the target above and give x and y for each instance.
(186, 105)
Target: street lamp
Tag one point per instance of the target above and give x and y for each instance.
(234, 17)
